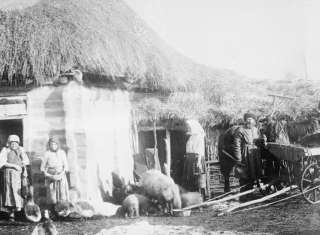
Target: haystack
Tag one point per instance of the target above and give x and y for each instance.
(104, 37)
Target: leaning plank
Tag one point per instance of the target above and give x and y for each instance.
(236, 190)
(220, 196)
(282, 191)
(268, 204)
(209, 203)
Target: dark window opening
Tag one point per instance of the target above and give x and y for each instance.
(9, 127)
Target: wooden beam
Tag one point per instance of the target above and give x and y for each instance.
(268, 204)
(263, 199)
(13, 117)
(150, 128)
(236, 190)
(155, 148)
(209, 203)
(168, 152)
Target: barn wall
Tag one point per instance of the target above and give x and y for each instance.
(98, 134)
(94, 128)
(211, 143)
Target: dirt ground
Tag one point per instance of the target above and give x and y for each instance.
(290, 217)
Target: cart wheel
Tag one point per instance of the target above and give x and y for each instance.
(311, 180)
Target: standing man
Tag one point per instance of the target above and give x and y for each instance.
(237, 150)
(250, 154)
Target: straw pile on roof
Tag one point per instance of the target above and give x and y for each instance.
(40, 38)
(227, 100)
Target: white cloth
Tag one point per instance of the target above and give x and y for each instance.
(195, 144)
(194, 127)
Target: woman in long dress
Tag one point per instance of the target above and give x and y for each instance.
(54, 166)
(13, 161)
(194, 170)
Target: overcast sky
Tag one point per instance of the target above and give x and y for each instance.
(257, 38)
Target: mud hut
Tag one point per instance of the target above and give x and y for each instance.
(122, 59)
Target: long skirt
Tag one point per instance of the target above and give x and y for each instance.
(57, 190)
(10, 195)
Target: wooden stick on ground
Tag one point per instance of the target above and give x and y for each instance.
(225, 194)
(268, 204)
(209, 203)
(282, 191)
(222, 195)
(272, 203)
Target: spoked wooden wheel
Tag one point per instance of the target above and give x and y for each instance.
(310, 183)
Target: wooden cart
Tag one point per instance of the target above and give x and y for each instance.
(284, 165)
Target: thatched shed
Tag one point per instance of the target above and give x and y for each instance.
(118, 54)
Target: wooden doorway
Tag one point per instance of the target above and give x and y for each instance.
(9, 127)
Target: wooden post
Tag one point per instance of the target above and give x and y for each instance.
(155, 137)
(135, 133)
(168, 152)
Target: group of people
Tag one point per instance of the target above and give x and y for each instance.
(237, 150)
(16, 180)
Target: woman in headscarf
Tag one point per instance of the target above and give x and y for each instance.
(13, 161)
(54, 166)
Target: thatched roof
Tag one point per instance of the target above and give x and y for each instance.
(40, 38)
(227, 100)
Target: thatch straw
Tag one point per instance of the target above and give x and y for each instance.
(227, 100)
(41, 38)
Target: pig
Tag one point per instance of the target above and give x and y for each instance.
(120, 212)
(161, 188)
(191, 198)
(182, 189)
(135, 205)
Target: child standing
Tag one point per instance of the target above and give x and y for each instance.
(54, 166)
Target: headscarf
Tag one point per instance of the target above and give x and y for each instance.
(13, 138)
(54, 140)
